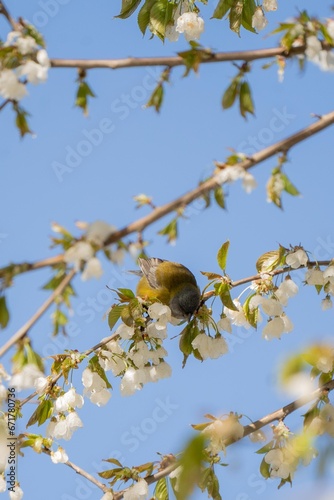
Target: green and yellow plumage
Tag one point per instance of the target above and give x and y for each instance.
(171, 284)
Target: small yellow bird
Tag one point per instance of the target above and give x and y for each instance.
(171, 284)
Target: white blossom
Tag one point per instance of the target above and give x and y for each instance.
(155, 330)
(326, 303)
(259, 20)
(112, 359)
(69, 400)
(138, 491)
(25, 379)
(125, 332)
(238, 317)
(95, 387)
(40, 384)
(224, 324)
(10, 86)
(271, 307)
(60, 456)
(17, 494)
(160, 371)
(171, 34)
(4, 450)
(269, 5)
(80, 251)
(248, 182)
(314, 277)
(191, 25)
(221, 430)
(161, 313)
(279, 468)
(330, 28)
(34, 72)
(313, 48)
(63, 428)
(3, 484)
(92, 269)
(273, 329)
(98, 231)
(257, 436)
(130, 382)
(286, 289)
(296, 259)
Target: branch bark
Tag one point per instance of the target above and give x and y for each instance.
(172, 61)
(25, 328)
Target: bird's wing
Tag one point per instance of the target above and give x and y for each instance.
(149, 267)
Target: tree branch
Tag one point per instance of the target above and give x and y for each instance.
(25, 328)
(172, 61)
(279, 414)
(83, 473)
(140, 224)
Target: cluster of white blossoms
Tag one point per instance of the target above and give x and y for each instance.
(234, 173)
(316, 54)
(34, 66)
(221, 430)
(62, 426)
(188, 23)
(145, 361)
(26, 377)
(288, 453)
(324, 422)
(59, 456)
(259, 20)
(278, 322)
(95, 387)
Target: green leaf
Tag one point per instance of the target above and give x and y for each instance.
(170, 231)
(30, 30)
(160, 15)
(222, 255)
(128, 7)
(4, 313)
(264, 469)
(42, 413)
(21, 121)
(144, 15)
(114, 315)
(211, 276)
(222, 8)
(156, 98)
(113, 461)
(267, 447)
(225, 296)
(191, 463)
(84, 91)
(247, 15)
(95, 366)
(231, 93)
(270, 260)
(288, 186)
(161, 490)
(219, 196)
(245, 99)
(251, 314)
(235, 15)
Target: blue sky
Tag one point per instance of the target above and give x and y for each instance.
(164, 155)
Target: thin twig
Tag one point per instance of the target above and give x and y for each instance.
(83, 473)
(172, 61)
(25, 328)
(140, 224)
(5, 12)
(4, 103)
(276, 272)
